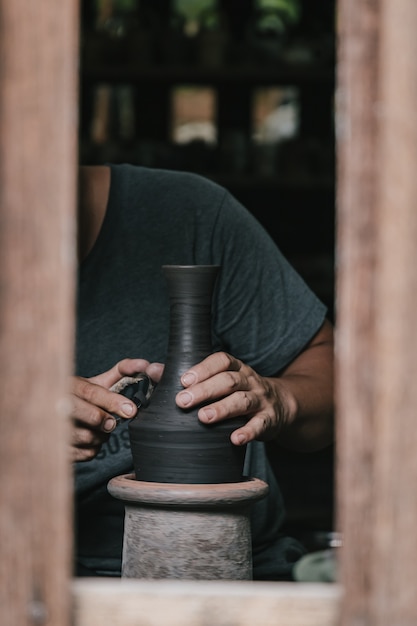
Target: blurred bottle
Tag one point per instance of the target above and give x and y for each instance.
(212, 35)
(267, 34)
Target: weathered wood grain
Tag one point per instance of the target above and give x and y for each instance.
(197, 603)
(38, 152)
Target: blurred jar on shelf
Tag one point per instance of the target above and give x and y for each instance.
(122, 33)
(268, 30)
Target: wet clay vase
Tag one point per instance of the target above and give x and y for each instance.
(169, 444)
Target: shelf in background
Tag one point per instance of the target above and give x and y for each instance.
(249, 75)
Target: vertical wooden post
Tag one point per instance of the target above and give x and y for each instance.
(38, 153)
(376, 310)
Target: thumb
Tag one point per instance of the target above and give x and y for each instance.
(126, 367)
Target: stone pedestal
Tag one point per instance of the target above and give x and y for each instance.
(187, 531)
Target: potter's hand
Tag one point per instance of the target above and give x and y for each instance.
(93, 405)
(295, 408)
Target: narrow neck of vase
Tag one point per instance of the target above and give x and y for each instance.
(190, 296)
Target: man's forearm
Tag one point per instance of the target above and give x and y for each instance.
(306, 387)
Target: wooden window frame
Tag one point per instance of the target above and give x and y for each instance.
(376, 355)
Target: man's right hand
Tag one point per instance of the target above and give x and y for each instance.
(93, 403)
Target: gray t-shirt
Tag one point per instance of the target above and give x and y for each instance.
(263, 313)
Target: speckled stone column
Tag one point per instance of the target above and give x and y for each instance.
(187, 531)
